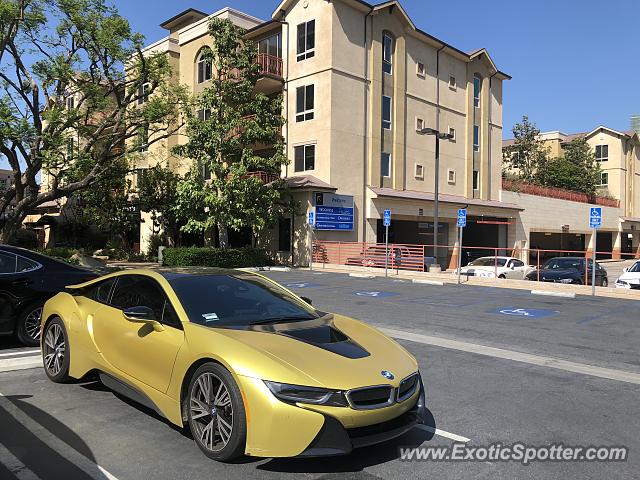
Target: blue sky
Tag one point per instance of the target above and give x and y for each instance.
(574, 62)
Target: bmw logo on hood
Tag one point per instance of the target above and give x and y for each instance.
(387, 375)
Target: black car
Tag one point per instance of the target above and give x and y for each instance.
(570, 270)
(27, 281)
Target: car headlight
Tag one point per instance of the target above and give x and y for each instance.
(301, 394)
(565, 280)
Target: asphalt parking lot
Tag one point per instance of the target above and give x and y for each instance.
(499, 365)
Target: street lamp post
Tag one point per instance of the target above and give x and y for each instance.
(444, 136)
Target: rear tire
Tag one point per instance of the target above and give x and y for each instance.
(216, 414)
(502, 277)
(29, 324)
(605, 282)
(55, 351)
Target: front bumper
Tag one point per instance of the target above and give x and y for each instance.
(335, 439)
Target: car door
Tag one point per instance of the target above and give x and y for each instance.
(136, 348)
(516, 269)
(18, 277)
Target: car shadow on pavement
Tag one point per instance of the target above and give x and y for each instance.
(28, 437)
(356, 461)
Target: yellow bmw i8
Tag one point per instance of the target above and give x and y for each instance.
(250, 367)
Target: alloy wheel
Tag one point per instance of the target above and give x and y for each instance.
(32, 324)
(211, 412)
(54, 347)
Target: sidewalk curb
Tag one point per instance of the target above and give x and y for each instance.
(553, 294)
(362, 275)
(427, 282)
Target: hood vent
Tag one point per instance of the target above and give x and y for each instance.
(328, 338)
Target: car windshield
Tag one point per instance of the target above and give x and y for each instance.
(635, 268)
(488, 262)
(564, 264)
(237, 300)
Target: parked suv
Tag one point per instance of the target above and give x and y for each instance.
(570, 270)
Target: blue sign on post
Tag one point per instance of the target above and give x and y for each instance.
(595, 217)
(311, 218)
(386, 219)
(462, 217)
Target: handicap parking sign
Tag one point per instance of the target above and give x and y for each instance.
(595, 217)
(387, 218)
(462, 217)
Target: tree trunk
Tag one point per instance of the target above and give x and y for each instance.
(11, 226)
(223, 236)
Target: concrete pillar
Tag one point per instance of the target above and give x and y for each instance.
(635, 243)
(371, 232)
(590, 244)
(453, 263)
(617, 245)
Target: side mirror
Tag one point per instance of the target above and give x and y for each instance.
(307, 300)
(513, 267)
(625, 269)
(143, 315)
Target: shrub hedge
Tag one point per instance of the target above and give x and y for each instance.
(215, 257)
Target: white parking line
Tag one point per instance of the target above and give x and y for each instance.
(538, 360)
(20, 352)
(428, 282)
(20, 363)
(362, 275)
(553, 294)
(15, 466)
(91, 468)
(442, 433)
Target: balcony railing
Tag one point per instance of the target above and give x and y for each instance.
(270, 64)
(265, 177)
(558, 193)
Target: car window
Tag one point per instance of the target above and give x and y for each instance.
(140, 291)
(635, 268)
(488, 262)
(25, 265)
(100, 291)
(7, 263)
(565, 264)
(517, 263)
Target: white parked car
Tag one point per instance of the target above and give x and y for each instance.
(490, 267)
(630, 279)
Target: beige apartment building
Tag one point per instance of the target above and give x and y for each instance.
(359, 81)
(554, 223)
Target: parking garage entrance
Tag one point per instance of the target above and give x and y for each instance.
(482, 236)
(555, 241)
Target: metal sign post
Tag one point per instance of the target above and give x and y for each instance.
(310, 223)
(595, 222)
(462, 222)
(386, 220)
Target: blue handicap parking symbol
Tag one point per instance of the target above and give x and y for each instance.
(375, 294)
(302, 285)
(525, 312)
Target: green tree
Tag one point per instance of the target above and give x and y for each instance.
(577, 169)
(73, 71)
(157, 193)
(527, 154)
(230, 117)
(106, 205)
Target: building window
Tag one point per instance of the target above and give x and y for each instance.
(602, 153)
(476, 180)
(387, 53)
(271, 46)
(143, 93)
(204, 68)
(304, 103)
(451, 176)
(452, 132)
(452, 82)
(421, 70)
(476, 138)
(284, 235)
(419, 124)
(477, 85)
(143, 138)
(70, 102)
(385, 164)
(604, 179)
(419, 171)
(305, 158)
(386, 112)
(204, 114)
(306, 40)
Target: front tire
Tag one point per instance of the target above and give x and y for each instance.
(29, 323)
(605, 282)
(216, 414)
(55, 351)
